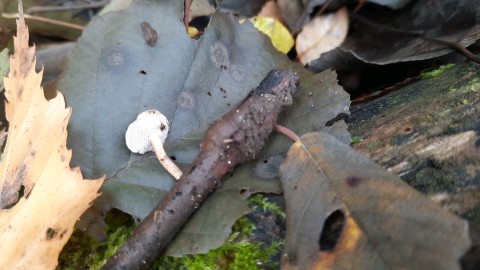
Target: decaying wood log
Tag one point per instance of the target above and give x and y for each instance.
(428, 134)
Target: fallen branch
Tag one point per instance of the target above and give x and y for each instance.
(233, 139)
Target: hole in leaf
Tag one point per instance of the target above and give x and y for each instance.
(242, 191)
(143, 72)
(332, 230)
(173, 158)
(209, 94)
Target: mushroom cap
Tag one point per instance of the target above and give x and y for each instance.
(147, 123)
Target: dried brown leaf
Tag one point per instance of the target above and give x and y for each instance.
(346, 212)
(322, 34)
(34, 228)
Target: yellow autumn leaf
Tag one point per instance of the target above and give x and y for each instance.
(35, 226)
(279, 35)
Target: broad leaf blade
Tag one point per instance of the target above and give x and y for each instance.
(41, 197)
(192, 82)
(386, 223)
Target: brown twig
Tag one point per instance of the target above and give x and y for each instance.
(43, 19)
(49, 9)
(233, 139)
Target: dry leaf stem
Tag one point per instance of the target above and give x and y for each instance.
(233, 139)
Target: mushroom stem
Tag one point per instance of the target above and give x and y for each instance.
(163, 158)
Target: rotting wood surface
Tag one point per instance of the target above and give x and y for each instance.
(428, 134)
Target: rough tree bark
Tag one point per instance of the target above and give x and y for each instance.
(428, 134)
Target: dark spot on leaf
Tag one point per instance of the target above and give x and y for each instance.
(32, 153)
(143, 72)
(353, 181)
(228, 104)
(178, 193)
(63, 234)
(224, 96)
(332, 230)
(20, 92)
(269, 167)
(219, 55)
(138, 220)
(173, 158)
(242, 191)
(186, 100)
(223, 90)
(171, 211)
(209, 93)
(150, 35)
(162, 127)
(295, 187)
(51, 233)
(62, 157)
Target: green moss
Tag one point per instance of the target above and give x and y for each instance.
(356, 140)
(84, 252)
(431, 181)
(437, 72)
(373, 145)
(261, 201)
(238, 252)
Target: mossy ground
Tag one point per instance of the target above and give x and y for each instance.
(240, 251)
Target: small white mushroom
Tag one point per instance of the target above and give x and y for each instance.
(149, 132)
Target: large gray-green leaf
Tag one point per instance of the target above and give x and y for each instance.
(113, 75)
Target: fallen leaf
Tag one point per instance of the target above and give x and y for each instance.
(322, 34)
(192, 82)
(452, 21)
(35, 227)
(346, 212)
(279, 35)
(297, 12)
(9, 7)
